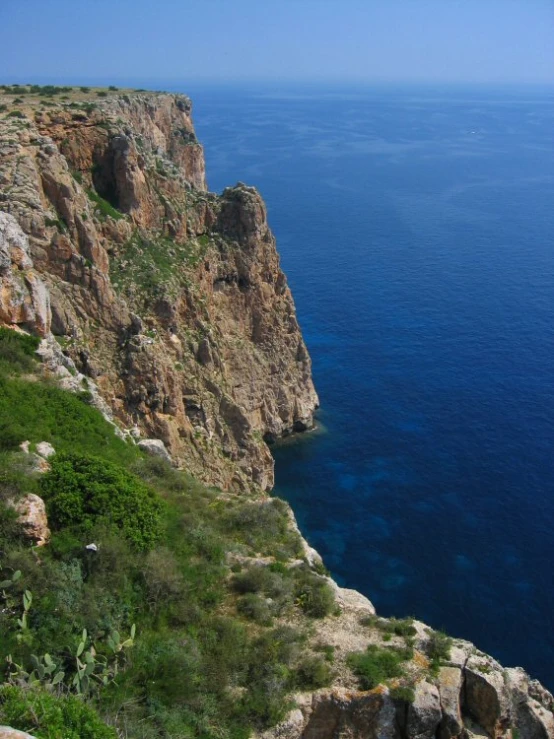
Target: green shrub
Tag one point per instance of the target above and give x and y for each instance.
(439, 645)
(10, 530)
(102, 94)
(255, 608)
(314, 595)
(252, 580)
(16, 475)
(48, 716)
(368, 620)
(84, 89)
(376, 665)
(264, 526)
(163, 580)
(401, 627)
(16, 114)
(328, 650)
(403, 693)
(270, 677)
(313, 673)
(438, 649)
(80, 491)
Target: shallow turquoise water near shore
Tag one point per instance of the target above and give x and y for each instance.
(416, 228)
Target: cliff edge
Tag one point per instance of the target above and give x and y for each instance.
(170, 297)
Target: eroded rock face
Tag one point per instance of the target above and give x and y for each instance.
(337, 712)
(24, 298)
(451, 683)
(471, 697)
(169, 297)
(438, 710)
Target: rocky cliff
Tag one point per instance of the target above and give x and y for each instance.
(170, 297)
(172, 301)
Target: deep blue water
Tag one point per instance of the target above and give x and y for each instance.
(416, 228)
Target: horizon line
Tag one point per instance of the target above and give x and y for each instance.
(331, 81)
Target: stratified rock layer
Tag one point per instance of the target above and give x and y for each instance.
(170, 297)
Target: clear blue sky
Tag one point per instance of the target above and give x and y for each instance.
(508, 41)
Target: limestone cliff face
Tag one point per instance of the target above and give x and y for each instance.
(24, 298)
(170, 297)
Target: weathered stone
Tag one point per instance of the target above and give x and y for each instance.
(343, 713)
(24, 298)
(533, 719)
(424, 714)
(44, 449)
(450, 688)
(154, 447)
(33, 518)
(353, 600)
(486, 698)
(7, 732)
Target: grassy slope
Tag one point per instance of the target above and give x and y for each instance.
(213, 655)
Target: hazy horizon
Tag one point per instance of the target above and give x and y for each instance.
(505, 42)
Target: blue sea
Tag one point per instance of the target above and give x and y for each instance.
(416, 228)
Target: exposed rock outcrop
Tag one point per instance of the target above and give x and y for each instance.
(469, 696)
(24, 298)
(155, 448)
(436, 712)
(33, 518)
(169, 297)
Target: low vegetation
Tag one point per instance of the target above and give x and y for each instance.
(103, 208)
(378, 665)
(147, 267)
(149, 632)
(49, 716)
(82, 491)
(438, 650)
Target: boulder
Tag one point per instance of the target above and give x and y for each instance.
(45, 450)
(6, 732)
(33, 519)
(156, 448)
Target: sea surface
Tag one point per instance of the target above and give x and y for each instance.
(416, 227)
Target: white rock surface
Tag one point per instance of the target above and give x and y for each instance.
(33, 518)
(6, 732)
(45, 450)
(155, 447)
